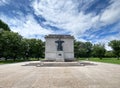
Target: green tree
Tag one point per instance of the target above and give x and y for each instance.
(98, 50)
(39, 46)
(115, 45)
(10, 44)
(76, 49)
(24, 49)
(109, 54)
(82, 49)
(88, 46)
(35, 48)
(79, 49)
(4, 26)
(13, 45)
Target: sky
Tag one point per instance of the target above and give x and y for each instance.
(96, 21)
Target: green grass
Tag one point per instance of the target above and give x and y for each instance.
(10, 61)
(105, 60)
(18, 60)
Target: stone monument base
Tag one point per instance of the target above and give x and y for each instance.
(60, 56)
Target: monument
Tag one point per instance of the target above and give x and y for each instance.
(59, 48)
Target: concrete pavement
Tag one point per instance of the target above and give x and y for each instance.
(25, 75)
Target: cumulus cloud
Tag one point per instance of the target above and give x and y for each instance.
(31, 27)
(111, 14)
(107, 39)
(69, 15)
(26, 26)
(66, 16)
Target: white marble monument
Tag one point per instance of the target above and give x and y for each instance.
(59, 48)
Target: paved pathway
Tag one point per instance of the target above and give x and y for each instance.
(25, 75)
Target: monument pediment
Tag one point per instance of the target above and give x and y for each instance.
(59, 36)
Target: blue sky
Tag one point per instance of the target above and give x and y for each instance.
(97, 21)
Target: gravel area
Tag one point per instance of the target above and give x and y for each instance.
(35, 74)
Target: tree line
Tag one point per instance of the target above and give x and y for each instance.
(87, 49)
(14, 46)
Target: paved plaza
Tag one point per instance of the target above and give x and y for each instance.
(59, 75)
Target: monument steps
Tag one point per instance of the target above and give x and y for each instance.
(59, 64)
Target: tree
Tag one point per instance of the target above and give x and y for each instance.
(40, 49)
(10, 44)
(109, 54)
(76, 49)
(35, 48)
(98, 50)
(115, 45)
(88, 48)
(23, 51)
(4, 26)
(13, 45)
(79, 49)
(82, 49)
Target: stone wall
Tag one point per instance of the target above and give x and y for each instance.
(51, 52)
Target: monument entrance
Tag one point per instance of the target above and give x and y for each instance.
(59, 48)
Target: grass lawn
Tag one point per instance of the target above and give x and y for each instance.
(11, 61)
(105, 60)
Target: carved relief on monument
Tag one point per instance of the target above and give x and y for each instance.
(59, 45)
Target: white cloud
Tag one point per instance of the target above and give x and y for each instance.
(4, 2)
(112, 13)
(64, 15)
(107, 39)
(26, 26)
(31, 27)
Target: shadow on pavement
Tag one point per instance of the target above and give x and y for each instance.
(60, 64)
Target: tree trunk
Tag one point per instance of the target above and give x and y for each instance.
(118, 58)
(14, 58)
(100, 58)
(5, 59)
(38, 58)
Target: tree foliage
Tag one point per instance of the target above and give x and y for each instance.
(109, 54)
(98, 50)
(4, 26)
(13, 45)
(35, 48)
(115, 45)
(82, 49)
(10, 44)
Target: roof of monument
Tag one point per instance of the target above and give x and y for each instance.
(58, 36)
